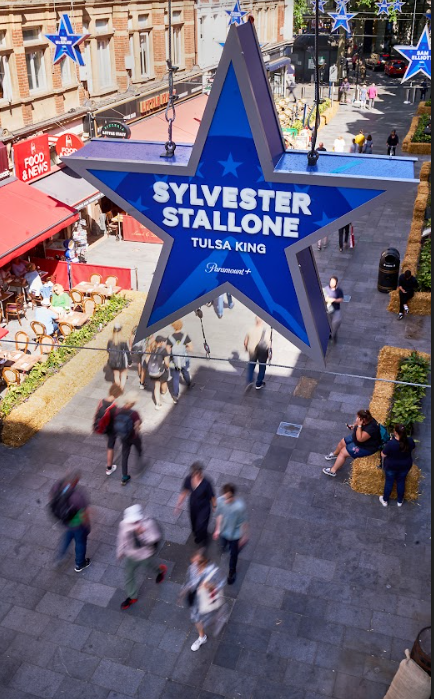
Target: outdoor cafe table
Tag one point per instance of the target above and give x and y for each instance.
(19, 360)
(88, 288)
(76, 319)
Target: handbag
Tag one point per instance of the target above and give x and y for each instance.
(209, 600)
(352, 239)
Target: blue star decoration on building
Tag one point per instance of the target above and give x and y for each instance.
(236, 16)
(397, 6)
(321, 4)
(67, 42)
(419, 56)
(342, 18)
(384, 7)
(235, 211)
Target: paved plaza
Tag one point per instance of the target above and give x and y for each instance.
(332, 588)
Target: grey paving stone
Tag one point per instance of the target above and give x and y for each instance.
(173, 640)
(266, 595)
(245, 636)
(379, 670)
(153, 660)
(59, 606)
(348, 662)
(141, 630)
(395, 626)
(117, 677)
(191, 668)
(10, 693)
(174, 690)
(74, 663)
(151, 687)
(349, 615)
(100, 619)
(288, 580)
(292, 648)
(23, 595)
(72, 687)
(24, 648)
(19, 618)
(368, 642)
(318, 679)
(319, 630)
(356, 688)
(270, 690)
(8, 668)
(42, 682)
(92, 593)
(107, 646)
(229, 683)
(256, 664)
(314, 567)
(227, 655)
(63, 633)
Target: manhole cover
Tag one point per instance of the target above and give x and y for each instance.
(287, 429)
(305, 387)
(347, 298)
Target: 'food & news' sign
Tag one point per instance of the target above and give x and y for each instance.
(32, 158)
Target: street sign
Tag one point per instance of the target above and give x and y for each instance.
(115, 129)
(334, 74)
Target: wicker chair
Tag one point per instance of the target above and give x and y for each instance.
(16, 309)
(65, 329)
(11, 377)
(46, 345)
(77, 299)
(95, 279)
(98, 299)
(39, 329)
(89, 307)
(22, 341)
(111, 281)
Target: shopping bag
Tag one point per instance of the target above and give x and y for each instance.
(352, 239)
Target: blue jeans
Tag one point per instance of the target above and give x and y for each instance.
(400, 478)
(80, 537)
(176, 378)
(220, 303)
(234, 550)
(251, 370)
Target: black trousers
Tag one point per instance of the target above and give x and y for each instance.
(126, 451)
(404, 298)
(199, 523)
(344, 233)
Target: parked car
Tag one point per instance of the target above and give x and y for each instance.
(395, 69)
(377, 61)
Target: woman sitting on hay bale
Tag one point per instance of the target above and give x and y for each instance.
(364, 440)
(397, 462)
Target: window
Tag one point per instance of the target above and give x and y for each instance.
(145, 61)
(66, 72)
(143, 21)
(104, 62)
(3, 40)
(5, 79)
(88, 63)
(101, 26)
(133, 69)
(32, 34)
(177, 46)
(36, 69)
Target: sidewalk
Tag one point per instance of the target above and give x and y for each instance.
(332, 587)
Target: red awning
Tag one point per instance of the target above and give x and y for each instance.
(27, 217)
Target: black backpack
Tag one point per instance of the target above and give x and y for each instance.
(118, 356)
(60, 505)
(156, 365)
(123, 425)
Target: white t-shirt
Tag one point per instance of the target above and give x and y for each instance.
(339, 145)
(34, 281)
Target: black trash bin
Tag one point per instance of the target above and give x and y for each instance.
(421, 651)
(388, 274)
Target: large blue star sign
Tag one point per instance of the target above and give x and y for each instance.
(236, 16)
(342, 18)
(236, 212)
(384, 7)
(419, 56)
(67, 42)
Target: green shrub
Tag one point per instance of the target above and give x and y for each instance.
(420, 136)
(428, 103)
(406, 407)
(61, 355)
(424, 272)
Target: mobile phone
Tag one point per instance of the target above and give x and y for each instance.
(349, 426)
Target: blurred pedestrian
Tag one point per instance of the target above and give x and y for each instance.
(423, 89)
(334, 297)
(392, 143)
(257, 343)
(180, 345)
(345, 91)
(368, 148)
(407, 287)
(372, 95)
(344, 237)
(321, 148)
(363, 96)
(354, 148)
(323, 243)
(360, 140)
(139, 542)
(220, 304)
(69, 504)
(339, 145)
(203, 591)
(200, 490)
(364, 440)
(119, 356)
(397, 463)
(232, 527)
(126, 426)
(158, 369)
(104, 424)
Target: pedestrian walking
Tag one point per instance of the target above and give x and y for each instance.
(334, 297)
(365, 440)
(423, 90)
(321, 148)
(407, 287)
(232, 529)
(220, 304)
(360, 140)
(180, 345)
(158, 369)
(372, 95)
(119, 356)
(69, 504)
(257, 343)
(126, 426)
(104, 424)
(200, 490)
(339, 145)
(323, 243)
(368, 148)
(345, 91)
(344, 237)
(203, 591)
(392, 143)
(291, 86)
(397, 462)
(363, 96)
(140, 540)
(354, 148)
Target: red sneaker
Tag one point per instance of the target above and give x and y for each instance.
(126, 604)
(161, 575)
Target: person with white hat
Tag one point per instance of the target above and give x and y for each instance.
(46, 315)
(139, 541)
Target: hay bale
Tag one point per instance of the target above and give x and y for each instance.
(368, 479)
(410, 681)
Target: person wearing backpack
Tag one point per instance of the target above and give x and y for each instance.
(139, 542)
(257, 343)
(119, 357)
(158, 369)
(126, 426)
(180, 344)
(366, 438)
(69, 504)
(104, 424)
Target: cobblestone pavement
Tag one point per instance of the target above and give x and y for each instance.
(332, 587)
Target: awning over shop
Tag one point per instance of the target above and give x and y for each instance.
(188, 117)
(67, 187)
(278, 64)
(27, 218)
(4, 165)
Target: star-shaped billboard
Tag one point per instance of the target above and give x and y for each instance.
(419, 56)
(384, 7)
(342, 18)
(236, 212)
(398, 5)
(236, 16)
(67, 42)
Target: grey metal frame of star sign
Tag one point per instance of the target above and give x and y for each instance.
(243, 51)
